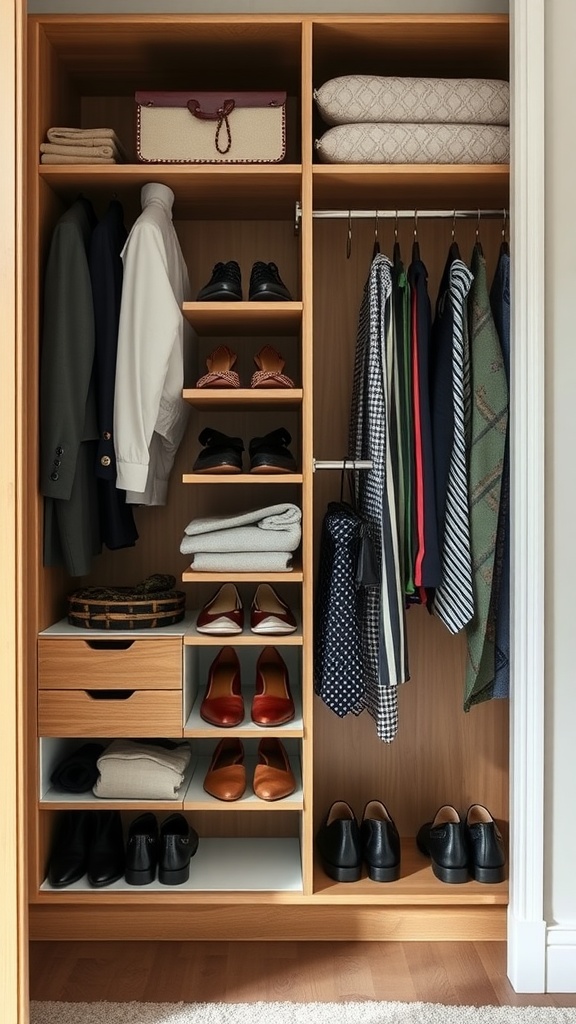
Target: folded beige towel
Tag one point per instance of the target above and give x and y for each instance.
(130, 770)
(84, 137)
(106, 149)
(55, 158)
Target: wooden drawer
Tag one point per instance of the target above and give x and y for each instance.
(151, 713)
(121, 664)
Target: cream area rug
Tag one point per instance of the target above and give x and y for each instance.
(294, 1013)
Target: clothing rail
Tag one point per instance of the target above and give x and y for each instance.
(403, 214)
(341, 464)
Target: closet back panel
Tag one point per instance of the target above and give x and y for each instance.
(440, 755)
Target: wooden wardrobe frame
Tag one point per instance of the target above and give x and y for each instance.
(526, 925)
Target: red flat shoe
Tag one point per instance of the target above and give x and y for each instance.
(223, 615)
(269, 615)
(223, 704)
(272, 703)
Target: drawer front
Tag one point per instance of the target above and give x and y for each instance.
(150, 713)
(124, 664)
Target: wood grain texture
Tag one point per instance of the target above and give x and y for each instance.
(144, 665)
(391, 186)
(246, 972)
(143, 713)
(244, 318)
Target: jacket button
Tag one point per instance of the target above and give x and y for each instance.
(105, 460)
(57, 462)
(59, 451)
(106, 435)
(54, 476)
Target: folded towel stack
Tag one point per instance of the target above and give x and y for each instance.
(131, 770)
(82, 146)
(414, 120)
(262, 540)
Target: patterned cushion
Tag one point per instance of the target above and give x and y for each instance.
(415, 144)
(354, 98)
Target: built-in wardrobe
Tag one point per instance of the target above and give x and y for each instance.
(255, 874)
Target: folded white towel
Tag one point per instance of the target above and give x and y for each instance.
(104, 149)
(56, 158)
(247, 561)
(243, 538)
(84, 136)
(131, 770)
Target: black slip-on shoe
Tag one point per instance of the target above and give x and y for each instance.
(266, 284)
(221, 454)
(485, 845)
(225, 285)
(338, 843)
(380, 843)
(142, 850)
(178, 844)
(444, 841)
(270, 454)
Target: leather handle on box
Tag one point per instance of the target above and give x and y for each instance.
(220, 115)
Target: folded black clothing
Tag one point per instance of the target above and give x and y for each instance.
(78, 772)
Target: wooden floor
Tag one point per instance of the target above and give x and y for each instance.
(459, 973)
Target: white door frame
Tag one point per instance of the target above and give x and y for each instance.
(526, 923)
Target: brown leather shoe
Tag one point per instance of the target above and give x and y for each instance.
(272, 703)
(223, 615)
(226, 776)
(223, 704)
(273, 777)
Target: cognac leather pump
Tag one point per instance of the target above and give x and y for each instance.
(272, 703)
(223, 704)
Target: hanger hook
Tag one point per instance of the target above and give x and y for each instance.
(415, 225)
(504, 224)
(349, 236)
(478, 227)
(396, 227)
(454, 226)
(376, 226)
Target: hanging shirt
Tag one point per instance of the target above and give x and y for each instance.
(500, 302)
(150, 414)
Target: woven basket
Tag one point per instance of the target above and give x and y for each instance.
(140, 607)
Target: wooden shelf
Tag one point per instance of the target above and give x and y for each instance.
(427, 186)
(205, 192)
(197, 799)
(244, 318)
(197, 728)
(417, 885)
(242, 478)
(259, 399)
(294, 575)
(244, 639)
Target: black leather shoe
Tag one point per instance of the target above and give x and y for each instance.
(225, 285)
(106, 856)
(270, 454)
(338, 843)
(69, 852)
(178, 844)
(267, 285)
(444, 841)
(485, 845)
(380, 843)
(142, 850)
(222, 454)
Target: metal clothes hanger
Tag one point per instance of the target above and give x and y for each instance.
(349, 236)
(415, 242)
(478, 243)
(454, 249)
(376, 248)
(504, 246)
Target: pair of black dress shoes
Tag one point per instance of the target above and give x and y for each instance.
(225, 285)
(223, 454)
(87, 843)
(168, 848)
(344, 845)
(460, 849)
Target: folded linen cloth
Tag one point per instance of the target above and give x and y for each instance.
(107, 149)
(246, 561)
(55, 158)
(78, 772)
(85, 136)
(273, 528)
(146, 771)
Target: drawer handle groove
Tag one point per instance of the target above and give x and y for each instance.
(110, 694)
(109, 645)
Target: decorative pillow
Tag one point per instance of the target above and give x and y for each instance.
(415, 144)
(358, 98)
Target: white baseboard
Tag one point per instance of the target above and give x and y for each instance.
(561, 958)
(526, 954)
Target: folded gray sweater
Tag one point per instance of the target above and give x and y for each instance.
(130, 770)
(273, 528)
